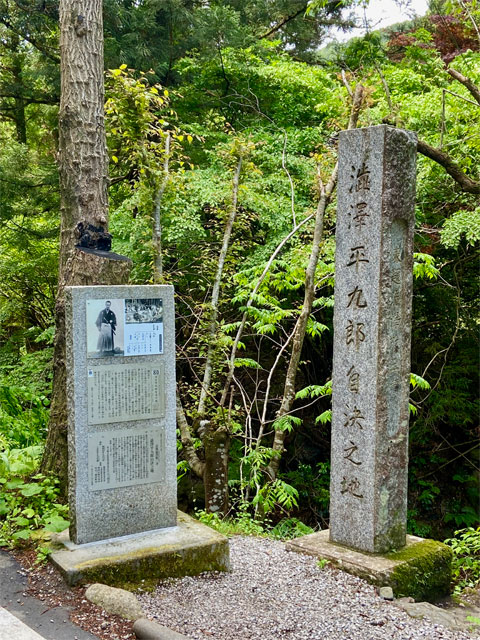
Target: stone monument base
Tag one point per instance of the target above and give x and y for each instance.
(143, 558)
(421, 570)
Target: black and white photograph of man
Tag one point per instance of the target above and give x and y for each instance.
(105, 319)
(106, 324)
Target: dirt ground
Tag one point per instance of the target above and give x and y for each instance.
(46, 584)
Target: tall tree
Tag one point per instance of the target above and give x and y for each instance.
(83, 168)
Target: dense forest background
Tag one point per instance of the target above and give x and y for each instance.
(222, 123)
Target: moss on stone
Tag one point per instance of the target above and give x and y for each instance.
(146, 567)
(423, 572)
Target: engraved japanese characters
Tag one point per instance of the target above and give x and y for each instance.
(121, 410)
(376, 190)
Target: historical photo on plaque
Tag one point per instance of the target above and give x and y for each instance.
(105, 328)
(122, 392)
(143, 327)
(125, 457)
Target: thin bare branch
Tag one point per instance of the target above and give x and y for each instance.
(283, 22)
(243, 321)
(207, 376)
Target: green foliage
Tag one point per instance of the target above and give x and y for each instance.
(418, 381)
(424, 266)
(276, 493)
(23, 415)
(313, 485)
(28, 501)
(315, 391)
(462, 223)
(286, 423)
(240, 93)
(243, 524)
(25, 398)
(466, 558)
(289, 528)
(324, 418)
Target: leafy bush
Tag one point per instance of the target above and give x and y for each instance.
(244, 524)
(27, 502)
(23, 415)
(466, 558)
(289, 528)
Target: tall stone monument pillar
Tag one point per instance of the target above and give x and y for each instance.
(371, 369)
(372, 326)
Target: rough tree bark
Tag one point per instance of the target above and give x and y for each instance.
(83, 166)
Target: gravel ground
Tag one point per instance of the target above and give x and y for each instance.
(273, 594)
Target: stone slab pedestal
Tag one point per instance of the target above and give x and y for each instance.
(421, 570)
(139, 559)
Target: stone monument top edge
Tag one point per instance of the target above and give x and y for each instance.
(102, 288)
(379, 127)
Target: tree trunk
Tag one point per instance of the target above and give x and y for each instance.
(83, 168)
(212, 333)
(157, 218)
(19, 100)
(216, 444)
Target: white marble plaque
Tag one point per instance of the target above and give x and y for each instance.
(125, 457)
(121, 392)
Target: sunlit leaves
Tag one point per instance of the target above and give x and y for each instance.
(461, 224)
(424, 266)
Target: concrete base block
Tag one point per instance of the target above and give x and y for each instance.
(144, 558)
(421, 570)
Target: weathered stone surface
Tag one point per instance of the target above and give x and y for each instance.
(117, 601)
(99, 514)
(147, 630)
(386, 593)
(372, 323)
(142, 559)
(452, 618)
(422, 569)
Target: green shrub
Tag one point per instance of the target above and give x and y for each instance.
(466, 558)
(289, 528)
(244, 524)
(27, 502)
(23, 415)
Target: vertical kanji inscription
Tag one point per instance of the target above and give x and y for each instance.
(373, 274)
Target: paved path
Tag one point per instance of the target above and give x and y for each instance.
(39, 622)
(12, 627)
